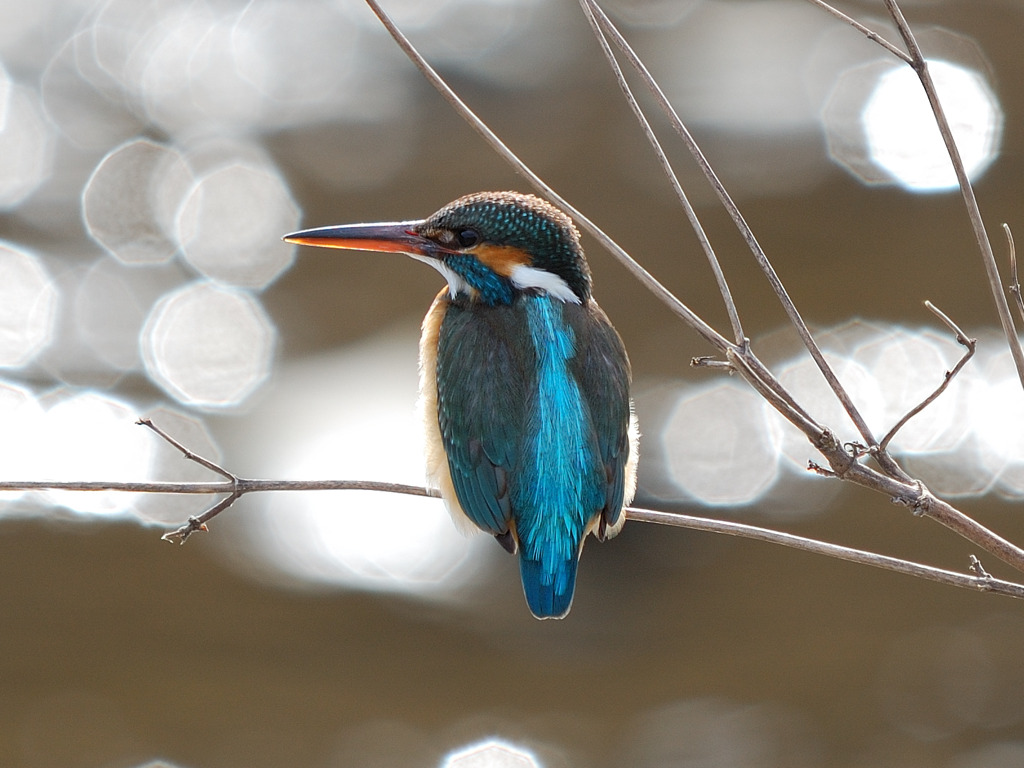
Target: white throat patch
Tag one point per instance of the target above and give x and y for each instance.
(456, 284)
(524, 277)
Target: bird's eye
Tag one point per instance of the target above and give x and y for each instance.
(467, 238)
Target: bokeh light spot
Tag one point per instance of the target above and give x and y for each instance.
(19, 19)
(960, 443)
(351, 414)
(808, 386)
(491, 753)
(26, 147)
(208, 346)
(509, 43)
(230, 225)
(901, 131)
(185, 71)
(881, 128)
(28, 306)
(130, 200)
(295, 55)
(995, 403)
(737, 73)
(655, 14)
(359, 538)
(721, 444)
(89, 110)
(22, 419)
(718, 446)
(5, 94)
(89, 436)
(110, 304)
(741, 67)
(907, 366)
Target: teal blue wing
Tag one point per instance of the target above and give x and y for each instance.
(483, 369)
(602, 371)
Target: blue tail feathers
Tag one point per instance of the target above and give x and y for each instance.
(548, 591)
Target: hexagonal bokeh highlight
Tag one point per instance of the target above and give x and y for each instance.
(26, 147)
(88, 435)
(230, 225)
(131, 198)
(491, 753)
(108, 305)
(902, 137)
(351, 413)
(81, 95)
(208, 346)
(28, 306)
(22, 417)
(718, 447)
(880, 127)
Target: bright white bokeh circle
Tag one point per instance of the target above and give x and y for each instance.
(902, 136)
(208, 345)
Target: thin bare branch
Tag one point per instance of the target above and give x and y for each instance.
(900, 486)
(705, 361)
(745, 232)
(920, 66)
(756, 371)
(195, 524)
(1014, 279)
(912, 494)
(245, 485)
(234, 487)
(201, 461)
(198, 523)
(918, 62)
(978, 568)
(982, 582)
(951, 517)
(868, 33)
(723, 286)
(970, 346)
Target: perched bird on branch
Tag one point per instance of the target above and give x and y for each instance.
(524, 382)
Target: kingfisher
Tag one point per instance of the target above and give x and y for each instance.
(524, 383)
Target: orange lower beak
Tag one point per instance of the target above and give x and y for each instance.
(392, 237)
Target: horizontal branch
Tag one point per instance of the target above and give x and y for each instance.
(982, 582)
(237, 487)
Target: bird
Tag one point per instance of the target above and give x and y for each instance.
(531, 434)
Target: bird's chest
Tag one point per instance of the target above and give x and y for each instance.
(507, 394)
(516, 356)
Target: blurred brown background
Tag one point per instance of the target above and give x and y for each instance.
(682, 649)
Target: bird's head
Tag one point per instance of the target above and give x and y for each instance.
(490, 246)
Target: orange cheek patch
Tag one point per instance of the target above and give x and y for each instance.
(501, 258)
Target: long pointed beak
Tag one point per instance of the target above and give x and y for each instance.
(390, 237)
